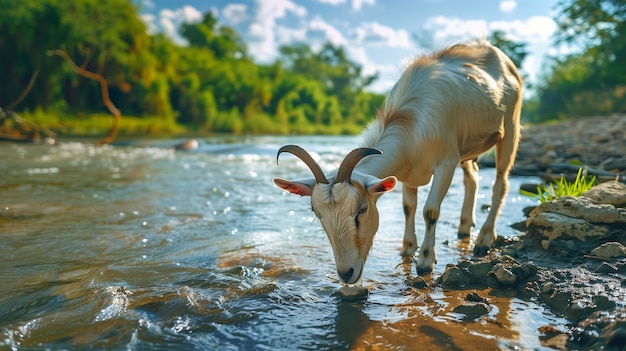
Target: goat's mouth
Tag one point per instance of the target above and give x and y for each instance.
(352, 275)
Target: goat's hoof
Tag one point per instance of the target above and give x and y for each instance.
(421, 271)
(461, 235)
(481, 250)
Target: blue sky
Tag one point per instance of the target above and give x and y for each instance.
(379, 35)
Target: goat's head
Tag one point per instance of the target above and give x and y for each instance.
(345, 205)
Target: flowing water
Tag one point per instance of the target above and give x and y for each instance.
(143, 247)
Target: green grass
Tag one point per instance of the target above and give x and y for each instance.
(562, 187)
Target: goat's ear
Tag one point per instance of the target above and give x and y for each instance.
(382, 185)
(300, 187)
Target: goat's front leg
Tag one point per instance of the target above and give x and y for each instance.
(470, 181)
(442, 178)
(409, 205)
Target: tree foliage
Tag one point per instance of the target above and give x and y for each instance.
(592, 81)
(210, 85)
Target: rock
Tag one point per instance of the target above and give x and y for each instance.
(505, 277)
(613, 193)
(479, 270)
(606, 268)
(583, 208)
(474, 297)
(452, 277)
(615, 335)
(473, 309)
(189, 144)
(353, 293)
(548, 288)
(417, 282)
(609, 250)
(552, 226)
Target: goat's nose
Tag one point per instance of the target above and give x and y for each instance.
(345, 275)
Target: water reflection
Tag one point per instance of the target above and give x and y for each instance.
(143, 247)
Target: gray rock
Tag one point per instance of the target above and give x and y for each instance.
(452, 277)
(583, 208)
(609, 250)
(505, 277)
(351, 293)
(552, 226)
(613, 193)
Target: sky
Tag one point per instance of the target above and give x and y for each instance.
(380, 35)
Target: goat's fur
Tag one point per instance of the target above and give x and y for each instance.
(447, 108)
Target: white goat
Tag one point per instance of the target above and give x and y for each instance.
(448, 107)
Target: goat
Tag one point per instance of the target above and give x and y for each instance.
(447, 108)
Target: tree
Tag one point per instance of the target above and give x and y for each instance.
(223, 41)
(592, 81)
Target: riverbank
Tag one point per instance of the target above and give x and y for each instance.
(596, 143)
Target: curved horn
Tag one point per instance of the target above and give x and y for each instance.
(307, 159)
(347, 165)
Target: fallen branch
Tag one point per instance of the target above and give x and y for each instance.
(104, 87)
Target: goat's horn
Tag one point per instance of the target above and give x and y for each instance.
(347, 165)
(307, 159)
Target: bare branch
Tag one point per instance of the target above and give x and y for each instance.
(31, 82)
(104, 87)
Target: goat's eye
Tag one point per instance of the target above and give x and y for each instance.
(362, 210)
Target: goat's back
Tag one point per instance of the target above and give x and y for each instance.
(465, 89)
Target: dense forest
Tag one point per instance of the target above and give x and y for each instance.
(213, 85)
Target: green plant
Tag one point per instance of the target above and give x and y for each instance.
(562, 187)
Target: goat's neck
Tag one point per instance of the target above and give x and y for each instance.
(390, 142)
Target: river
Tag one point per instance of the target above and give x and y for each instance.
(138, 246)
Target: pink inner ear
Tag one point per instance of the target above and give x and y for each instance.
(388, 184)
(293, 187)
(384, 185)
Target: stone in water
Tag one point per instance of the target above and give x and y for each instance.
(353, 293)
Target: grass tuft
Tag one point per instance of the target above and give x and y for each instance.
(562, 187)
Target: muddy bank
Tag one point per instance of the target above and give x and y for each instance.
(580, 290)
(571, 259)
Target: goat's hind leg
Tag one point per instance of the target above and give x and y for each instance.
(470, 181)
(506, 149)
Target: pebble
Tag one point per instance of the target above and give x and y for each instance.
(472, 309)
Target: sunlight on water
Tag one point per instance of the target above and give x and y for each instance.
(147, 248)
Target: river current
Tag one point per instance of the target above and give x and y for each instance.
(141, 247)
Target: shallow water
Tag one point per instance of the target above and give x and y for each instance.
(143, 247)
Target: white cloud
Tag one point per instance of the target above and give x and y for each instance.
(235, 13)
(357, 4)
(536, 28)
(447, 30)
(381, 35)
(149, 19)
(536, 32)
(331, 33)
(170, 20)
(290, 35)
(149, 4)
(332, 2)
(507, 5)
(262, 30)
